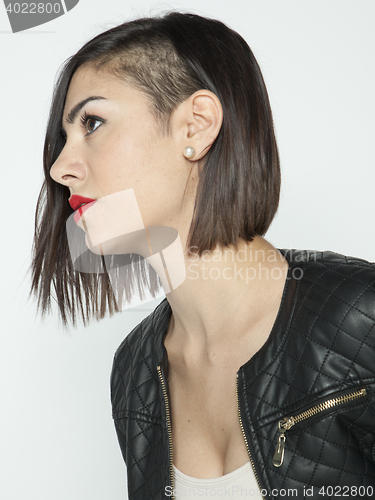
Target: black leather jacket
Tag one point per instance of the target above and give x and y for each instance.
(309, 389)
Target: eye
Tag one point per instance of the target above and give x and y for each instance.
(91, 123)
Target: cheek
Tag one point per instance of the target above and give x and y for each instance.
(113, 166)
(132, 159)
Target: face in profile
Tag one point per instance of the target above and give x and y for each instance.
(123, 174)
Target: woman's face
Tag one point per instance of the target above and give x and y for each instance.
(116, 151)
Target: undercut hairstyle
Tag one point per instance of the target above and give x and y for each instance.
(168, 58)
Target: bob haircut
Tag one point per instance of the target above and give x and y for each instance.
(168, 58)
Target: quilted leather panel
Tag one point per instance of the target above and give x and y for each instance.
(143, 445)
(322, 343)
(138, 410)
(326, 347)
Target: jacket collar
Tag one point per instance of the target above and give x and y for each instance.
(274, 344)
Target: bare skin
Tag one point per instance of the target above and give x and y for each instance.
(206, 434)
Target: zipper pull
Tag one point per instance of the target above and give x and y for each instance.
(279, 453)
(284, 425)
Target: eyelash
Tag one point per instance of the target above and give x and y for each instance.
(86, 117)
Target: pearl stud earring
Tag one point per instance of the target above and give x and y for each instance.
(189, 152)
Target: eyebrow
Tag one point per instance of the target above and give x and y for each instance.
(75, 110)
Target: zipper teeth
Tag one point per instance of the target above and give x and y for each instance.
(245, 438)
(169, 431)
(328, 404)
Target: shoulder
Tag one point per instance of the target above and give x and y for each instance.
(335, 300)
(331, 270)
(324, 257)
(144, 338)
(334, 275)
(134, 340)
(135, 360)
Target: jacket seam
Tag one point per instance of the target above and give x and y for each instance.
(134, 415)
(115, 365)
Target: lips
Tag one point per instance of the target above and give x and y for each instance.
(76, 201)
(80, 204)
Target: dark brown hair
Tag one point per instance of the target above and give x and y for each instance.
(168, 57)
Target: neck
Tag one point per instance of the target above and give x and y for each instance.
(227, 293)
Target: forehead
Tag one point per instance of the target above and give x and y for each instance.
(87, 82)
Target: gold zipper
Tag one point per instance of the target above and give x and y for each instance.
(245, 438)
(169, 430)
(287, 422)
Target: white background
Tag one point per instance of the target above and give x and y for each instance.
(56, 432)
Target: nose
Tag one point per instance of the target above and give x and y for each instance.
(69, 168)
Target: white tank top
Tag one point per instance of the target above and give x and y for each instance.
(239, 484)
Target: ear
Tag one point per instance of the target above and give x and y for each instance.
(200, 120)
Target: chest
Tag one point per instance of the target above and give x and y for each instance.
(207, 437)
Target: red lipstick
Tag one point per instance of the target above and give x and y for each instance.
(76, 201)
(80, 204)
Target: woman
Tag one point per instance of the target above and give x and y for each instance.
(256, 374)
